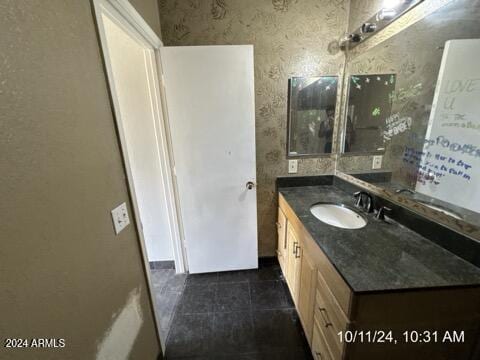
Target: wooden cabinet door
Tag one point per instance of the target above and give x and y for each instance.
(306, 293)
(294, 253)
(282, 239)
(290, 255)
(319, 347)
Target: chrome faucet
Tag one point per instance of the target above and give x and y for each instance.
(360, 197)
(381, 212)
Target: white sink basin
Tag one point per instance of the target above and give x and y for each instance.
(338, 215)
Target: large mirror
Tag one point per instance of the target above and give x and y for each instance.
(427, 123)
(311, 114)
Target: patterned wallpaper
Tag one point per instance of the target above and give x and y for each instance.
(290, 38)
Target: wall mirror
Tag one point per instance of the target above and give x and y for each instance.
(428, 116)
(311, 114)
(368, 113)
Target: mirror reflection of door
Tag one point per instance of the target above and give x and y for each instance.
(369, 108)
(311, 115)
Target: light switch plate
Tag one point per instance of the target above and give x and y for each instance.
(120, 217)
(377, 162)
(292, 166)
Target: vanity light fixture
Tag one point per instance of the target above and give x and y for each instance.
(390, 11)
(349, 39)
(368, 28)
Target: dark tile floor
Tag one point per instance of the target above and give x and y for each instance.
(236, 315)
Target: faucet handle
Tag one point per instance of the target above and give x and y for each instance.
(369, 206)
(358, 198)
(381, 212)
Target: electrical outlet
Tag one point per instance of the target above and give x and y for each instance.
(120, 217)
(292, 166)
(377, 162)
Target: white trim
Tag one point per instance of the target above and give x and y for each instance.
(125, 15)
(129, 14)
(179, 251)
(130, 20)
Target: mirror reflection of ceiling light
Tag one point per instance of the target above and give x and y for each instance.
(391, 4)
(386, 14)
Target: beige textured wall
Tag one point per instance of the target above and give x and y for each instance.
(290, 38)
(361, 11)
(149, 11)
(63, 272)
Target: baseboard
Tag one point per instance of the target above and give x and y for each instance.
(267, 260)
(159, 265)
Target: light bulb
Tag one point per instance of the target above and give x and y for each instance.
(386, 14)
(391, 4)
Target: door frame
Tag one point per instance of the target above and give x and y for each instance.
(125, 15)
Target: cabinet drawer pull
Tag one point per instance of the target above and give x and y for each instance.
(323, 313)
(319, 355)
(297, 255)
(295, 247)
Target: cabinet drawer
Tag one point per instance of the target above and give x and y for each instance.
(337, 286)
(340, 320)
(320, 350)
(329, 316)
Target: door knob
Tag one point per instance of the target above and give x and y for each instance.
(250, 185)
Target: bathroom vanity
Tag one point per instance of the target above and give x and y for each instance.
(381, 291)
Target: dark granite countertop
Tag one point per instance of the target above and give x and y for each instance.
(382, 255)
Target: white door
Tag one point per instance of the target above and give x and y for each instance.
(210, 97)
(133, 79)
(450, 164)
